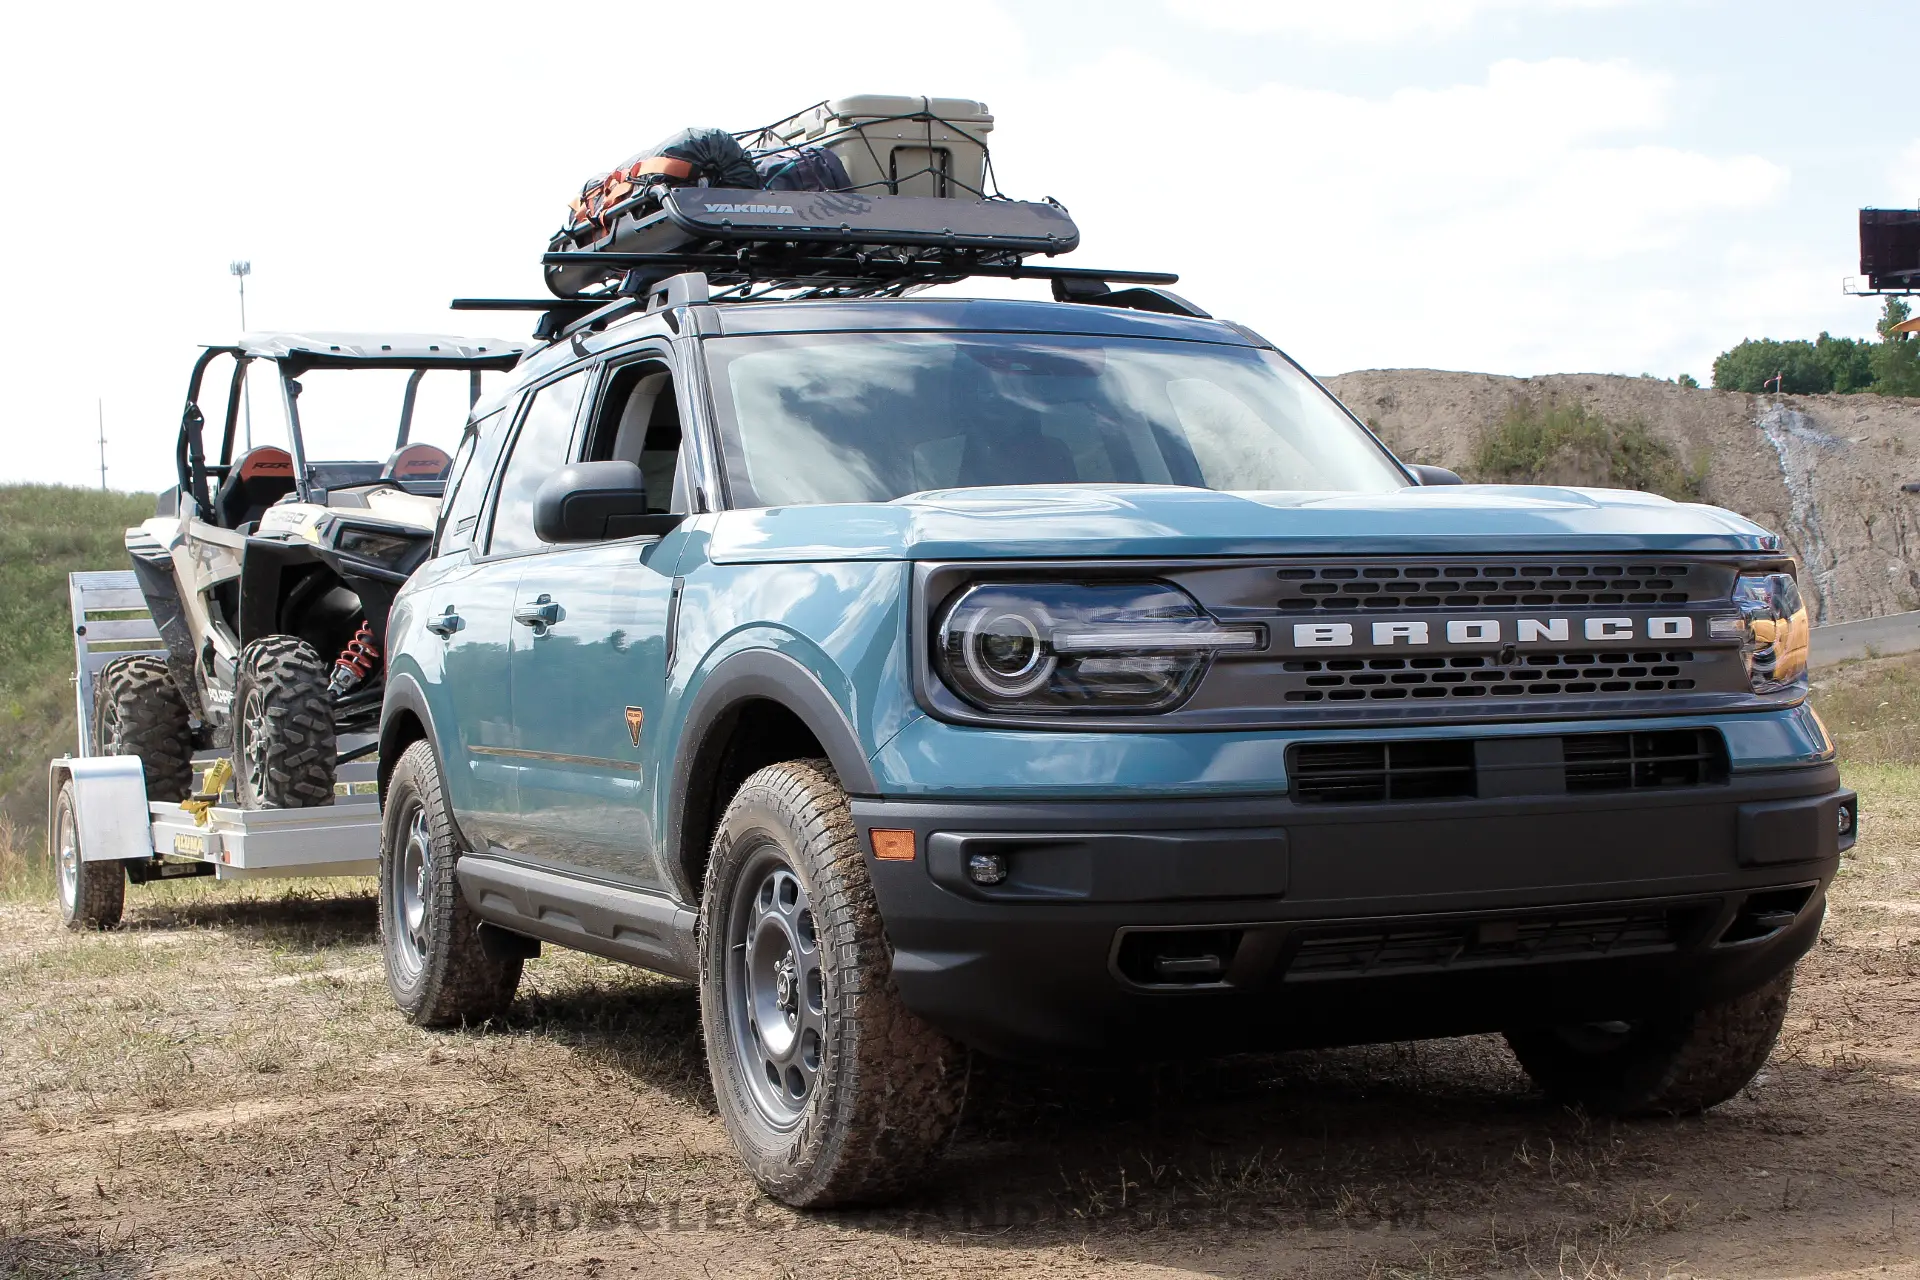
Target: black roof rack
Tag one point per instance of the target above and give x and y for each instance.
(744, 246)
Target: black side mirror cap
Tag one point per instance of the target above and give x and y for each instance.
(1427, 475)
(596, 502)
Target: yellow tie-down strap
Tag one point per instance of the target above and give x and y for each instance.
(201, 802)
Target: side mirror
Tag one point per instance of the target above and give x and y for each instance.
(595, 502)
(1432, 475)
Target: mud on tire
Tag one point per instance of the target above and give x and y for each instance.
(1669, 1065)
(137, 711)
(438, 971)
(283, 744)
(832, 1092)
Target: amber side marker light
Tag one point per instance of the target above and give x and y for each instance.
(893, 846)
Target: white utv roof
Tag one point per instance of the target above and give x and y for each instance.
(380, 348)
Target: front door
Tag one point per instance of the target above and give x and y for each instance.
(590, 654)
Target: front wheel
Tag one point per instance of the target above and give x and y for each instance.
(283, 743)
(833, 1092)
(438, 971)
(92, 894)
(1667, 1065)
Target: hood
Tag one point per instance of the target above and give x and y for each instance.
(1039, 521)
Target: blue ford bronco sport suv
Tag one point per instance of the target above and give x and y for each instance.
(1078, 678)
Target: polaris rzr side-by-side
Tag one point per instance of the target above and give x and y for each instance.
(270, 567)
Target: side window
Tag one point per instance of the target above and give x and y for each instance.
(639, 421)
(467, 481)
(546, 434)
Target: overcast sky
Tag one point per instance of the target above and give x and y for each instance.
(1511, 186)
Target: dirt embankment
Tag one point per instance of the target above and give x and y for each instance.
(1825, 472)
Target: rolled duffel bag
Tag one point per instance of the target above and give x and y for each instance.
(801, 169)
(615, 202)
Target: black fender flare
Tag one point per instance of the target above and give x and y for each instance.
(404, 695)
(743, 677)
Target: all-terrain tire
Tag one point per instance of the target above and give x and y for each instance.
(1667, 1065)
(92, 894)
(138, 711)
(437, 969)
(283, 743)
(879, 1091)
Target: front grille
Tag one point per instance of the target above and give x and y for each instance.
(1363, 772)
(1535, 675)
(1585, 933)
(1450, 768)
(1517, 584)
(1634, 761)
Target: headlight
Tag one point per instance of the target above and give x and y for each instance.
(1135, 646)
(386, 547)
(1773, 629)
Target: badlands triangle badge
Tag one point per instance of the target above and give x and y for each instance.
(635, 716)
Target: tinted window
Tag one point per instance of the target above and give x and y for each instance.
(868, 417)
(467, 481)
(539, 450)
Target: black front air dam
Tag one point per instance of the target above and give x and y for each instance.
(1163, 928)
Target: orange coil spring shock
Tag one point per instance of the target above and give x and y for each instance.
(360, 658)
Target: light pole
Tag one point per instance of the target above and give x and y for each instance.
(240, 270)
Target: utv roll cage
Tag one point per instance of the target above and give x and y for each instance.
(295, 354)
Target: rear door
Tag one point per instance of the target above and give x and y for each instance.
(589, 656)
(470, 606)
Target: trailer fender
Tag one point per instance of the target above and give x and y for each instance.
(109, 806)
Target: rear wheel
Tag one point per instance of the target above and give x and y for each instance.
(833, 1092)
(283, 743)
(1667, 1065)
(438, 970)
(137, 711)
(92, 894)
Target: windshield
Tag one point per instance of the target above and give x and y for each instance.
(869, 417)
(355, 414)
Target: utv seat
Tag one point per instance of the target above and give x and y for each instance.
(417, 462)
(257, 479)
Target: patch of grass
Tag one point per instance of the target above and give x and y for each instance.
(1872, 708)
(25, 874)
(1562, 442)
(46, 532)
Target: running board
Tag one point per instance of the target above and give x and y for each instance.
(621, 924)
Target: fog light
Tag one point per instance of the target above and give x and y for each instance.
(1846, 819)
(986, 868)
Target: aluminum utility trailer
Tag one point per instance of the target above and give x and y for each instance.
(163, 840)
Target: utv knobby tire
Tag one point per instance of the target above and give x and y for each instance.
(1669, 1065)
(437, 969)
(283, 744)
(92, 894)
(138, 711)
(886, 1089)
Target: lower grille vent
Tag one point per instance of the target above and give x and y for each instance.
(1361, 772)
(1633, 761)
(1413, 948)
(1450, 769)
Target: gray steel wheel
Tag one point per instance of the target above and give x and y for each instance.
(776, 991)
(255, 732)
(409, 876)
(66, 854)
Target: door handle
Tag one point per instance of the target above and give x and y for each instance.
(539, 615)
(446, 624)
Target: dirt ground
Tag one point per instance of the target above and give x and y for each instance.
(222, 1088)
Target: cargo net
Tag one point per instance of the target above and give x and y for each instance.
(913, 153)
(775, 155)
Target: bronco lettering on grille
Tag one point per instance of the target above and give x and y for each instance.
(1491, 632)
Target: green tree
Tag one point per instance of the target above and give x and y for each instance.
(1847, 362)
(1895, 359)
(1752, 365)
(1688, 380)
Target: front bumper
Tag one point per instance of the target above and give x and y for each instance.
(1160, 928)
